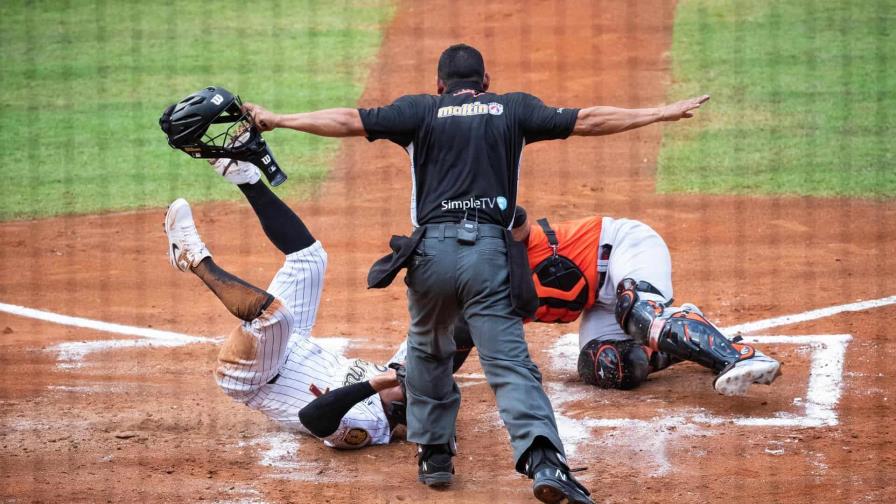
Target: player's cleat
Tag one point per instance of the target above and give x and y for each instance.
(552, 482)
(185, 248)
(435, 468)
(755, 367)
(237, 172)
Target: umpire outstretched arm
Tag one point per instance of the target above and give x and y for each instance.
(595, 121)
(591, 121)
(335, 122)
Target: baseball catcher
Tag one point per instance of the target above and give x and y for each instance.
(616, 274)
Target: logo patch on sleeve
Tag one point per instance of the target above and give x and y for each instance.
(356, 437)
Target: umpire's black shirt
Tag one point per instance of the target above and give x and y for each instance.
(465, 148)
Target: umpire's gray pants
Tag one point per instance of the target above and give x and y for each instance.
(445, 277)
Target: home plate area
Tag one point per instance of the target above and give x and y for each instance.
(680, 402)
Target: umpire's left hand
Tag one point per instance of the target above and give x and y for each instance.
(683, 109)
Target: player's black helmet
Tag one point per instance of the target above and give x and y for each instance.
(210, 123)
(188, 120)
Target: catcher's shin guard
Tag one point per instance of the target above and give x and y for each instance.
(686, 334)
(681, 333)
(614, 364)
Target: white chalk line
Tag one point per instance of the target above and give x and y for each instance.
(760, 325)
(73, 351)
(97, 325)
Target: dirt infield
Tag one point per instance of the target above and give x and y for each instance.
(139, 423)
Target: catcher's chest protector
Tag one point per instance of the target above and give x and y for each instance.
(565, 268)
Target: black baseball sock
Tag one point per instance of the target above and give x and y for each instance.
(243, 300)
(282, 226)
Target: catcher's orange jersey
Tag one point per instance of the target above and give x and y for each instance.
(579, 241)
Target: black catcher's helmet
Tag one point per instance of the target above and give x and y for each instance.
(210, 124)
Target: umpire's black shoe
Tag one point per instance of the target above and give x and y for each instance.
(552, 481)
(435, 466)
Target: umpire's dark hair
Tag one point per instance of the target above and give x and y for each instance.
(461, 62)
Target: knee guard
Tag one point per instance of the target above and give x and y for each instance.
(633, 314)
(613, 364)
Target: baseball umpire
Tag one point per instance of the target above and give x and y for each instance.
(465, 145)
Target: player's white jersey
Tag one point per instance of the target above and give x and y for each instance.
(273, 365)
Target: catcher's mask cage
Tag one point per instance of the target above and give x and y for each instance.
(211, 124)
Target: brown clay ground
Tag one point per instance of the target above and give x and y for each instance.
(148, 424)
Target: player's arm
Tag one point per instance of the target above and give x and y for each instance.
(600, 120)
(322, 416)
(335, 122)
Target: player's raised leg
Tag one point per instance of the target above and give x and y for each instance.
(187, 252)
(305, 257)
(253, 352)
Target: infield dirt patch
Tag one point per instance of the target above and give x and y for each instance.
(149, 424)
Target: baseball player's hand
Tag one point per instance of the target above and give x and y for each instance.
(264, 119)
(385, 380)
(683, 109)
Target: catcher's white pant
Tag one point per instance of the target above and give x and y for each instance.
(638, 253)
(271, 364)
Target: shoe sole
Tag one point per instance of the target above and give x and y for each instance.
(552, 494)
(437, 480)
(736, 382)
(549, 494)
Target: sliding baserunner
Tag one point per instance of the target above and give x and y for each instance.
(270, 362)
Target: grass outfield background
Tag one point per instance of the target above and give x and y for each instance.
(803, 98)
(84, 84)
(803, 94)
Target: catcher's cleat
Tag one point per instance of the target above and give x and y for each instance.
(552, 481)
(236, 172)
(435, 468)
(754, 367)
(185, 248)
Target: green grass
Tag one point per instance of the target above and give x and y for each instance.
(803, 98)
(84, 82)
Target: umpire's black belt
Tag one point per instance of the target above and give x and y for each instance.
(449, 230)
